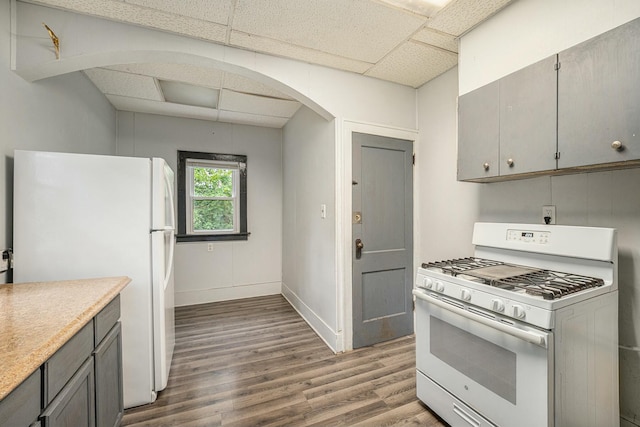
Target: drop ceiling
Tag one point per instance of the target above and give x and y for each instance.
(375, 38)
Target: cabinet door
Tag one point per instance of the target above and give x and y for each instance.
(22, 406)
(599, 99)
(528, 117)
(108, 366)
(478, 133)
(74, 406)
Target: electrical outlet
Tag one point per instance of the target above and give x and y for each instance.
(549, 214)
(209, 247)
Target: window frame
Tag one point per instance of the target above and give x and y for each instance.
(185, 198)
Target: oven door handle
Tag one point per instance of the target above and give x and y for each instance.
(527, 336)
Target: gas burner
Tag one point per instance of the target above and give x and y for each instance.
(547, 284)
(456, 266)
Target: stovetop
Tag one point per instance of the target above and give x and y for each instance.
(549, 285)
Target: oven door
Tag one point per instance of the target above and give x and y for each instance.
(499, 368)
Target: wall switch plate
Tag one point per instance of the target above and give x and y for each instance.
(323, 211)
(549, 214)
(209, 247)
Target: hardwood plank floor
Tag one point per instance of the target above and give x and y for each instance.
(255, 362)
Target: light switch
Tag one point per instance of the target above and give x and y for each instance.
(323, 211)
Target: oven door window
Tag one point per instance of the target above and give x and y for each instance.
(501, 376)
(486, 363)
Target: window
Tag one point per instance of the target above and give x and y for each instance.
(212, 196)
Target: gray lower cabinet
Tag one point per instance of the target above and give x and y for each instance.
(23, 405)
(79, 386)
(108, 373)
(74, 405)
(599, 99)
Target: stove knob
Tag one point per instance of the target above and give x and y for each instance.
(439, 286)
(465, 295)
(497, 305)
(427, 282)
(518, 312)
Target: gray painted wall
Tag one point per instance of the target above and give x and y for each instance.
(65, 113)
(233, 269)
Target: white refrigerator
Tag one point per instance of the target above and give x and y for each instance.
(83, 216)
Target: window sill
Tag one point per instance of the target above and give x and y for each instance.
(211, 237)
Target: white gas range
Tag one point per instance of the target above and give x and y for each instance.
(525, 332)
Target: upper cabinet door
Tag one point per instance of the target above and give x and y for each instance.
(528, 117)
(599, 99)
(478, 133)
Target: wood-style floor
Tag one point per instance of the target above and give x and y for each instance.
(255, 362)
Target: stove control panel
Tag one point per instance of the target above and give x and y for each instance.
(527, 236)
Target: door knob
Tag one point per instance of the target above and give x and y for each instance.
(359, 246)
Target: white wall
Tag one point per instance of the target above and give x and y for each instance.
(234, 269)
(65, 113)
(309, 263)
(528, 31)
(530, 28)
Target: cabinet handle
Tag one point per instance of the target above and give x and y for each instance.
(617, 145)
(510, 162)
(486, 166)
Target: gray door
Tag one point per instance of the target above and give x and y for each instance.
(382, 239)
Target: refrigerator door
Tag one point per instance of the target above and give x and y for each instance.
(162, 249)
(79, 216)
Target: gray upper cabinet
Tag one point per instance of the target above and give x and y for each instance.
(528, 112)
(478, 133)
(599, 99)
(577, 110)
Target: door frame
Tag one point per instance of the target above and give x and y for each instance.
(344, 268)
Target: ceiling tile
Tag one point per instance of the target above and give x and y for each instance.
(360, 29)
(274, 47)
(125, 84)
(414, 64)
(252, 119)
(214, 11)
(137, 105)
(460, 16)
(438, 39)
(152, 18)
(242, 102)
(192, 74)
(245, 85)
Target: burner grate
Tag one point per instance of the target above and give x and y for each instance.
(454, 267)
(545, 283)
(549, 284)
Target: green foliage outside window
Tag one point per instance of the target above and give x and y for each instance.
(210, 185)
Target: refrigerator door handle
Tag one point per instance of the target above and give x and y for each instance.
(172, 245)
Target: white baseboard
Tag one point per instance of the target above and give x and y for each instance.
(203, 296)
(328, 335)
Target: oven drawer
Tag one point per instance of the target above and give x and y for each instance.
(447, 406)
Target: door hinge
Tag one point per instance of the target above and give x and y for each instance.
(557, 156)
(414, 305)
(556, 66)
(413, 159)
